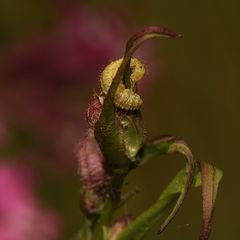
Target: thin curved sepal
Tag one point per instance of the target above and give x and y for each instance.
(175, 192)
(171, 145)
(140, 226)
(132, 45)
(147, 33)
(140, 37)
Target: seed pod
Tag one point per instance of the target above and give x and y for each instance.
(125, 98)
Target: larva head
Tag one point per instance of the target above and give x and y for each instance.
(137, 70)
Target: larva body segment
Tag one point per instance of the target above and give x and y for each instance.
(125, 98)
(128, 100)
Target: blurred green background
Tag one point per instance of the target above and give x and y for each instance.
(194, 94)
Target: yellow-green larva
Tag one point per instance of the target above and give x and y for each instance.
(125, 98)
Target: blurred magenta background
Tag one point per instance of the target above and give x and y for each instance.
(51, 55)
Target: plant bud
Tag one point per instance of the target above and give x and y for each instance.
(91, 164)
(94, 110)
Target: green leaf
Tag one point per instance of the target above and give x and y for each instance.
(174, 193)
(138, 228)
(170, 145)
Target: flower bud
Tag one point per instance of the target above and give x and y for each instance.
(94, 110)
(91, 164)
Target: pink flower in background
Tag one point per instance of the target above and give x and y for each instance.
(21, 216)
(43, 79)
(75, 51)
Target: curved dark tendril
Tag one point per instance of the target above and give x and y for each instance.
(133, 43)
(147, 33)
(177, 145)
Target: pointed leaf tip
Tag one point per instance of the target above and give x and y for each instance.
(211, 177)
(147, 33)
